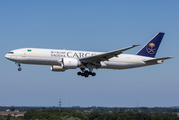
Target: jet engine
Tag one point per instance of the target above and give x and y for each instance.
(57, 68)
(65, 63)
(70, 63)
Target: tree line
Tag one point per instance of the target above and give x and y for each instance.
(98, 109)
(47, 114)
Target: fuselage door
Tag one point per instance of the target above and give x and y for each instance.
(23, 54)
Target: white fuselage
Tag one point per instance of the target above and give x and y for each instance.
(54, 57)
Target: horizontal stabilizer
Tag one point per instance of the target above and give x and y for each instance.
(153, 60)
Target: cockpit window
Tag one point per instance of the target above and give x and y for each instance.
(11, 52)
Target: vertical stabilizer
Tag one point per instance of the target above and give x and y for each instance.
(150, 49)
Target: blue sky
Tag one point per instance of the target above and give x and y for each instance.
(90, 26)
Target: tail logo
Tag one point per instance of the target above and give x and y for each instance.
(151, 48)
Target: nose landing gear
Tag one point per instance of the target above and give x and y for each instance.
(19, 69)
(19, 65)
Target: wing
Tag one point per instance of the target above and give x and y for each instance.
(96, 59)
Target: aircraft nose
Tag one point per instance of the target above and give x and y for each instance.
(7, 56)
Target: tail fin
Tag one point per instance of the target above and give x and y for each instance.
(150, 49)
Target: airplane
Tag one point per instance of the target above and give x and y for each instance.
(61, 60)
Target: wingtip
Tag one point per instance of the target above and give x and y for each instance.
(170, 57)
(136, 45)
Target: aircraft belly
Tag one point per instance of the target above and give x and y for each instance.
(122, 65)
(38, 61)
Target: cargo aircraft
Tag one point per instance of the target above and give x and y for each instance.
(61, 60)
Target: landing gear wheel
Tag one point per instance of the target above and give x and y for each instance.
(82, 74)
(90, 73)
(19, 69)
(93, 74)
(86, 73)
(19, 65)
(79, 73)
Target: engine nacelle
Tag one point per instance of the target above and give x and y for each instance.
(57, 68)
(70, 63)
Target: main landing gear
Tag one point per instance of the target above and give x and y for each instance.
(86, 73)
(19, 65)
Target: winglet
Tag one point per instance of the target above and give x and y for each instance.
(150, 49)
